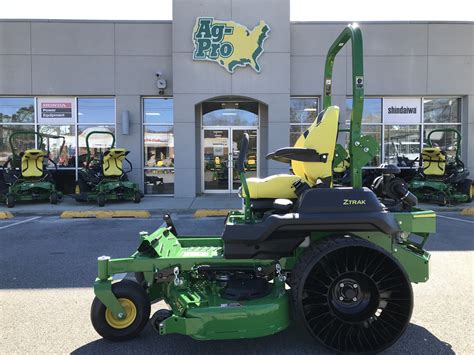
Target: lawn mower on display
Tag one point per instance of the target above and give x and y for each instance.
(442, 176)
(103, 178)
(26, 175)
(334, 260)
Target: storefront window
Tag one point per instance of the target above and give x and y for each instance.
(445, 110)
(218, 113)
(17, 110)
(158, 145)
(100, 139)
(63, 152)
(303, 112)
(96, 110)
(21, 142)
(402, 144)
(372, 112)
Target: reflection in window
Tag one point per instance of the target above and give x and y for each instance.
(159, 181)
(20, 142)
(158, 145)
(64, 155)
(159, 111)
(230, 114)
(98, 142)
(372, 112)
(444, 110)
(17, 109)
(445, 138)
(96, 110)
(402, 144)
(303, 112)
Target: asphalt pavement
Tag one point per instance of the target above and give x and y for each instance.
(48, 266)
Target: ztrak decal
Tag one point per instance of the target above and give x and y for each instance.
(348, 202)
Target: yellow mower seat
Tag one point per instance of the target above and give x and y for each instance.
(112, 162)
(320, 136)
(32, 163)
(433, 161)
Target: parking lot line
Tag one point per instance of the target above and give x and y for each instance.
(456, 219)
(20, 222)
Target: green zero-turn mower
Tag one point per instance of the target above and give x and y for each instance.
(25, 173)
(103, 178)
(333, 260)
(442, 177)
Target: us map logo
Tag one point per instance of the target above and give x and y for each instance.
(228, 43)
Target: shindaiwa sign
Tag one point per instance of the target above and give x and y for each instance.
(228, 43)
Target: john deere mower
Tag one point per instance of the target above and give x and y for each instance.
(103, 177)
(25, 173)
(333, 260)
(442, 176)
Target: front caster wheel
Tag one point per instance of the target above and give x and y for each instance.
(351, 295)
(134, 300)
(159, 317)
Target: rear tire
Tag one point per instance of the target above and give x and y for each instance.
(465, 187)
(10, 201)
(131, 296)
(137, 196)
(54, 198)
(101, 200)
(351, 295)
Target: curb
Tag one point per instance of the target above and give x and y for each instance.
(107, 214)
(6, 215)
(211, 213)
(468, 212)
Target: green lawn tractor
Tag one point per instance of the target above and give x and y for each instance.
(103, 177)
(25, 173)
(333, 260)
(442, 176)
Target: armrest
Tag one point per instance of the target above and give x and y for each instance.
(286, 155)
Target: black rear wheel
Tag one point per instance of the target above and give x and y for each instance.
(465, 187)
(10, 200)
(54, 198)
(351, 295)
(101, 199)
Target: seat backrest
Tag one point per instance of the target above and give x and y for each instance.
(32, 163)
(433, 161)
(322, 137)
(112, 162)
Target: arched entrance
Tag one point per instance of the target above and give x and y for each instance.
(223, 123)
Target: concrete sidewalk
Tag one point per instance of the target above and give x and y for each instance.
(154, 204)
(161, 204)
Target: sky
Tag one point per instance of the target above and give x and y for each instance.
(300, 10)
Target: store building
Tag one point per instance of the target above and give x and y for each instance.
(73, 77)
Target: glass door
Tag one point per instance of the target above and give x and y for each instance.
(221, 149)
(251, 161)
(216, 159)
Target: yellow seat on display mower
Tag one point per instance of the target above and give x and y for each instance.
(103, 178)
(25, 174)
